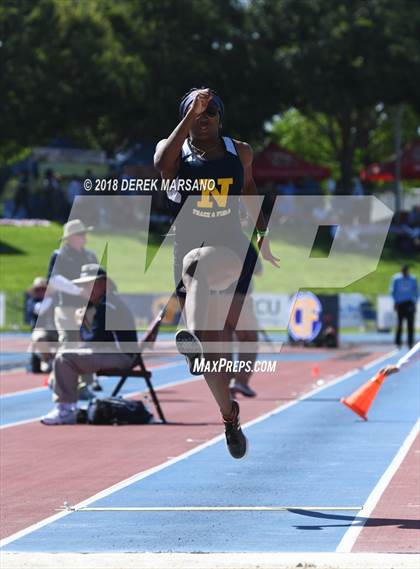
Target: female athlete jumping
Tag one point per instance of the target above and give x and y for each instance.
(210, 246)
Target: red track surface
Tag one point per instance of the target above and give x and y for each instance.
(398, 507)
(20, 380)
(47, 465)
(14, 344)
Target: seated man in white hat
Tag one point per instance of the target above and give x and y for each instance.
(110, 342)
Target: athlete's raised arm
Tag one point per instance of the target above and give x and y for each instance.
(168, 150)
(249, 190)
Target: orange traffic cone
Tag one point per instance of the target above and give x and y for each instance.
(315, 371)
(361, 400)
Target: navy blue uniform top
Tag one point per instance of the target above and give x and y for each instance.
(209, 214)
(113, 322)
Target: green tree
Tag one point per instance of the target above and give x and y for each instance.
(305, 137)
(309, 136)
(104, 73)
(62, 68)
(343, 59)
(194, 43)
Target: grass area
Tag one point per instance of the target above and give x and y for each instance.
(25, 252)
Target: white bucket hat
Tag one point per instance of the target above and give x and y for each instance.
(75, 227)
(39, 282)
(89, 273)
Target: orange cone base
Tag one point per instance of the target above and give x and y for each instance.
(355, 409)
(361, 400)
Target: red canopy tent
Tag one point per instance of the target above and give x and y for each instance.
(276, 164)
(385, 172)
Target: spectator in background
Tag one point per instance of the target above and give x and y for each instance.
(331, 186)
(114, 348)
(404, 291)
(40, 315)
(74, 189)
(65, 264)
(357, 187)
(311, 187)
(328, 336)
(288, 189)
(21, 198)
(286, 207)
(414, 217)
(54, 199)
(407, 237)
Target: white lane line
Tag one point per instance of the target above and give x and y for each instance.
(131, 394)
(214, 508)
(379, 360)
(165, 385)
(42, 388)
(23, 392)
(349, 538)
(141, 475)
(12, 371)
(23, 422)
(152, 367)
(249, 560)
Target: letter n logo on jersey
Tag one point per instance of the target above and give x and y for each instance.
(208, 197)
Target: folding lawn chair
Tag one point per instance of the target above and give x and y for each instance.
(138, 369)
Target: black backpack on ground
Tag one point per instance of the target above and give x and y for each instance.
(118, 411)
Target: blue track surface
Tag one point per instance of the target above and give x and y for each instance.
(8, 360)
(314, 453)
(33, 404)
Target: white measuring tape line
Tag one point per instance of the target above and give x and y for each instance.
(67, 507)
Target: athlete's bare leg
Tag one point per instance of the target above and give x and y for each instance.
(247, 336)
(205, 269)
(218, 382)
(242, 324)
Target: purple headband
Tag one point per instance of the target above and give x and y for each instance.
(189, 98)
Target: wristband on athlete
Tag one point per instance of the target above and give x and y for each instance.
(262, 233)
